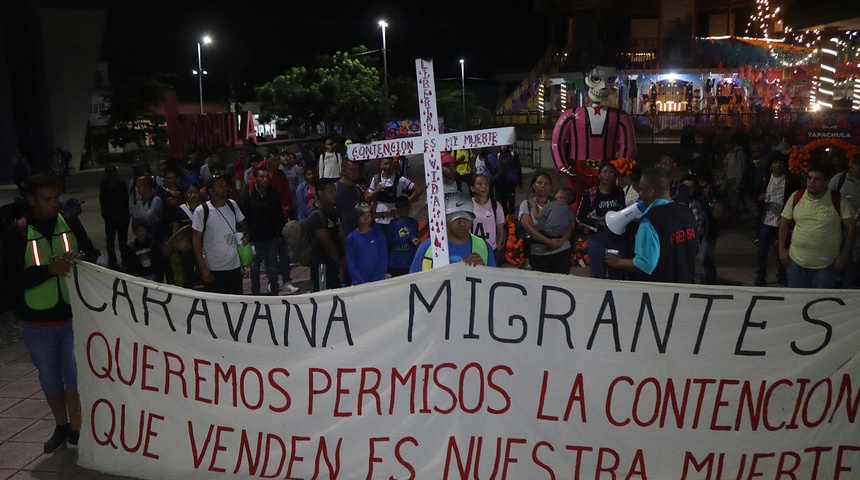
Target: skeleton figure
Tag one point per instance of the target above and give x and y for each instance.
(585, 136)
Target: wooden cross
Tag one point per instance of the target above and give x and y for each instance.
(430, 143)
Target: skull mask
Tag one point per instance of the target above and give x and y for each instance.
(601, 82)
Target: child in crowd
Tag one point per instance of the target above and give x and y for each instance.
(402, 238)
(365, 249)
(145, 256)
(558, 214)
(306, 193)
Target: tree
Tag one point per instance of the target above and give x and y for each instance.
(341, 88)
(132, 100)
(292, 98)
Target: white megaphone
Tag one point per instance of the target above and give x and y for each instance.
(617, 221)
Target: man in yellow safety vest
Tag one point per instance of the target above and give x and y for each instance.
(37, 251)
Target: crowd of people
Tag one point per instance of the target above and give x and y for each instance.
(205, 222)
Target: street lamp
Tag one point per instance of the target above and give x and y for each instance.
(463, 87)
(383, 24)
(200, 72)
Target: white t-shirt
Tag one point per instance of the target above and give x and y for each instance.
(219, 239)
(329, 165)
(402, 184)
(485, 222)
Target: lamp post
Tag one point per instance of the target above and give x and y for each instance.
(463, 88)
(383, 24)
(200, 72)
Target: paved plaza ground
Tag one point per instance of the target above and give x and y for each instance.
(26, 421)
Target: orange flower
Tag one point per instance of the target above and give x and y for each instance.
(624, 165)
(580, 250)
(799, 158)
(513, 246)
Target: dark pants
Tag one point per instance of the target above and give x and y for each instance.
(266, 251)
(330, 279)
(226, 281)
(506, 195)
(116, 229)
(598, 242)
(766, 237)
(284, 261)
(555, 263)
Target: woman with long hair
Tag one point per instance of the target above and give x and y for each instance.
(545, 254)
(596, 202)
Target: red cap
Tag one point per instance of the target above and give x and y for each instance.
(448, 159)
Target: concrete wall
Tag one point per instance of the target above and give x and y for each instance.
(48, 61)
(72, 43)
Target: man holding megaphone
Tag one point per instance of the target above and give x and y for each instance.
(666, 243)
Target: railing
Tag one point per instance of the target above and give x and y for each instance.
(530, 156)
(668, 125)
(664, 126)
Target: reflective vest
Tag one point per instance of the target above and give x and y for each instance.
(479, 246)
(40, 252)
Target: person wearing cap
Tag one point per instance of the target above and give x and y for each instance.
(37, 252)
(463, 246)
(365, 249)
(114, 210)
(451, 182)
(72, 216)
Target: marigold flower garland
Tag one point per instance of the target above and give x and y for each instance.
(799, 158)
(580, 251)
(513, 246)
(624, 165)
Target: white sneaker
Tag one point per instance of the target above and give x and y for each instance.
(289, 289)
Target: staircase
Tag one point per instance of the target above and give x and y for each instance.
(524, 97)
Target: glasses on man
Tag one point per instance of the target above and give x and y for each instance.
(665, 162)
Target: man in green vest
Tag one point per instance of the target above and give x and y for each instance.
(37, 252)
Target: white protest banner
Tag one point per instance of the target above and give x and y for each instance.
(468, 372)
(430, 143)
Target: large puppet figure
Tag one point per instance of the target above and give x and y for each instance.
(585, 136)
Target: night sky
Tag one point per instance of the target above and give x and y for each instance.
(254, 44)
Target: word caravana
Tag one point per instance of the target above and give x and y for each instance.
(250, 323)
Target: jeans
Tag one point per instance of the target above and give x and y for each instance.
(283, 250)
(766, 235)
(51, 349)
(799, 277)
(598, 242)
(267, 251)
